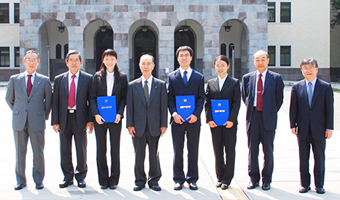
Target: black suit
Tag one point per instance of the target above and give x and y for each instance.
(72, 124)
(224, 139)
(147, 118)
(261, 125)
(99, 88)
(312, 123)
(195, 86)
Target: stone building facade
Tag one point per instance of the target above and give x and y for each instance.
(236, 28)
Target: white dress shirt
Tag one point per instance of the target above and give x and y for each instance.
(149, 82)
(26, 77)
(221, 81)
(76, 83)
(189, 70)
(110, 79)
(263, 79)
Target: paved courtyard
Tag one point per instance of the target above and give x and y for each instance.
(285, 183)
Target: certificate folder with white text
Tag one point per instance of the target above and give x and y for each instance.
(185, 105)
(107, 108)
(220, 111)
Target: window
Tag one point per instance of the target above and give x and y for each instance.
(65, 50)
(4, 56)
(271, 11)
(4, 13)
(17, 56)
(285, 12)
(223, 49)
(285, 54)
(16, 13)
(58, 51)
(272, 55)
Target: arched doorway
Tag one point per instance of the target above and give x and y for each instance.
(104, 40)
(144, 43)
(184, 37)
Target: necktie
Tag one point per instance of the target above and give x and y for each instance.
(310, 93)
(72, 94)
(259, 103)
(185, 78)
(29, 84)
(146, 91)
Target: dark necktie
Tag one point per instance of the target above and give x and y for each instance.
(259, 91)
(310, 93)
(29, 85)
(146, 91)
(72, 94)
(185, 78)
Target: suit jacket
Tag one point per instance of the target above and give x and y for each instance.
(230, 90)
(139, 113)
(34, 109)
(60, 100)
(272, 97)
(321, 114)
(99, 88)
(195, 86)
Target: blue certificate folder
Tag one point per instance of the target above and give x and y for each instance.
(107, 108)
(220, 111)
(185, 105)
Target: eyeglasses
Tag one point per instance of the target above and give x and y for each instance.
(308, 69)
(74, 61)
(184, 55)
(31, 60)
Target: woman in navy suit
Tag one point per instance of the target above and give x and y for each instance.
(223, 137)
(108, 81)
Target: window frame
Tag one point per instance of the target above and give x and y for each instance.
(282, 56)
(8, 56)
(16, 13)
(272, 61)
(285, 11)
(4, 12)
(273, 10)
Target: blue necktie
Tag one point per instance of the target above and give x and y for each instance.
(185, 78)
(310, 94)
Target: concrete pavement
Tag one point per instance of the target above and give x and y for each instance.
(285, 183)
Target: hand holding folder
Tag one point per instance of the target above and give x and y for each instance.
(107, 108)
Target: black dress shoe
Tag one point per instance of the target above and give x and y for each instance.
(224, 186)
(252, 185)
(81, 184)
(178, 186)
(19, 186)
(304, 189)
(266, 186)
(218, 184)
(103, 187)
(112, 187)
(39, 186)
(193, 186)
(65, 184)
(320, 190)
(138, 187)
(155, 187)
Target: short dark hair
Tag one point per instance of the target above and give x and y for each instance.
(309, 61)
(223, 58)
(184, 48)
(70, 52)
(31, 52)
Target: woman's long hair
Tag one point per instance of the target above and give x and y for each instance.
(102, 70)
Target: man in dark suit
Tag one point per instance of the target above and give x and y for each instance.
(311, 119)
(262, 92)
(146, 113)
(185, 81)
(29, 95)
(71, 116)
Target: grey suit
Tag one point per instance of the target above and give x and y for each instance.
(147, 119)
(29, 115)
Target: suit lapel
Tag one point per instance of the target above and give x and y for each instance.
(215, 84)
(316, 92)
(252, 83)
(268, 79)
(22, 81)
(80, 82)
(179, 77)
(226, 84)
(154, 88)
(304, 95)
(140, 90)
(36, 83)
(192, 77)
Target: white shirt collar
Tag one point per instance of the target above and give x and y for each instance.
(263, 73)
(26, 73)
(70, 74)
(149, 80)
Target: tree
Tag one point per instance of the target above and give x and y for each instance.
(336, 13)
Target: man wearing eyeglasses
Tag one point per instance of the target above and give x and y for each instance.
(29, 95)
(71, 117)
(262, 92)
(311, 120)
(185, 81)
